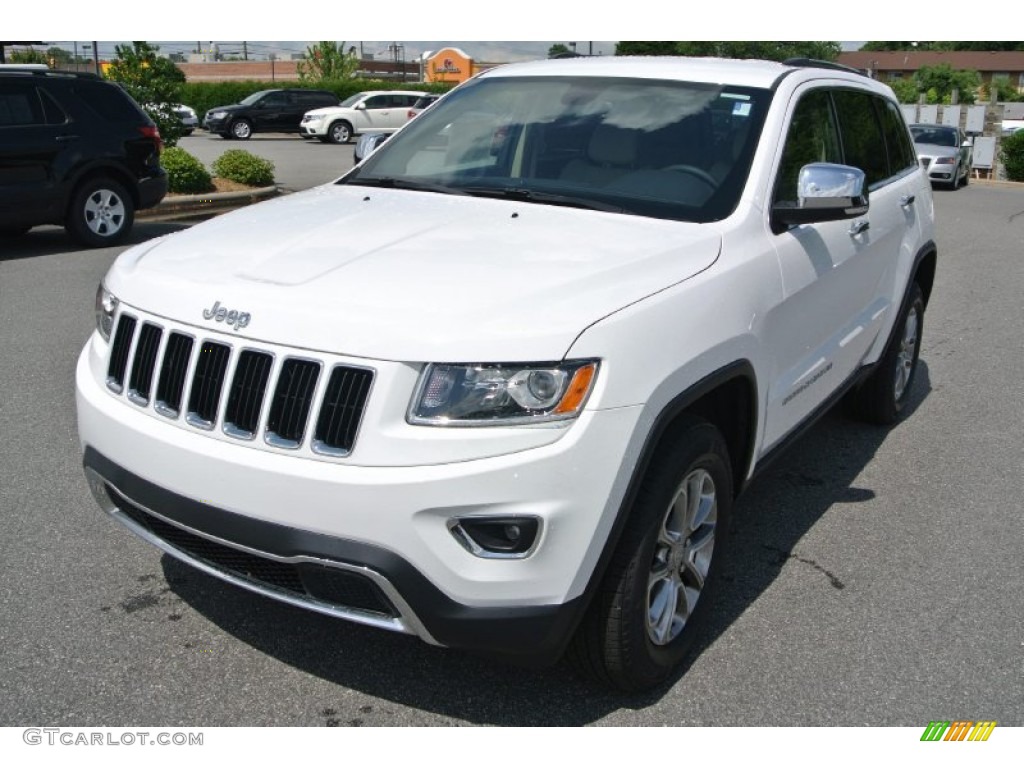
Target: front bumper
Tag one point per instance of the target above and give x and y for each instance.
(318, 128)
(217, 125)
(386, 525)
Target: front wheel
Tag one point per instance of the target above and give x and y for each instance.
(882, 398)
(101, 213)
(656, 593)
(241, 129)
(340, 132)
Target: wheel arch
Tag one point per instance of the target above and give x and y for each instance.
(924, 269)
(92, 172)
(712, 398)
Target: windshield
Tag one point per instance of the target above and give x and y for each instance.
(351, 101)
(943, 137)
(253, 98)
(657, 148)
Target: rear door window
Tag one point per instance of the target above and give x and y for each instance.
(19, 105)
(897, 141)
(863, 143)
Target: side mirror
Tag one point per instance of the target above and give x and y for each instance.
(361, 105)
(826, 192)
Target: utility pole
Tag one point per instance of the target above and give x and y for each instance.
(96, 56)
(245, 50)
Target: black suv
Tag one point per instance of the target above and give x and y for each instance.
(74, 150)
(279, 110)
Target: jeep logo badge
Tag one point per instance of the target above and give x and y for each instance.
(232, 317)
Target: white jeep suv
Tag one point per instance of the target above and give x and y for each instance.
(499, 385)
(369, 111)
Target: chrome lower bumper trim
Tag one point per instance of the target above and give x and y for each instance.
(406, 622)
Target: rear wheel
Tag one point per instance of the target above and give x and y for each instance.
(656, 593)
(101, 213)
(884, 395)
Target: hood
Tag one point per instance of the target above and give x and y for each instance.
(226, 107)
(411, 276)
(936, 150)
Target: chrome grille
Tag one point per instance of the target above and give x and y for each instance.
(140, 383)
(171, 385)
(291, 402)
(341, 410)
(244, 391)
(119, 352)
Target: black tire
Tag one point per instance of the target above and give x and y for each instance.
(882, 398)
(340, 132)
(101, 213)
(618, 642)
(14, 231)
(241, 129)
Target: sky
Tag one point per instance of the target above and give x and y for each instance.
(483, 30)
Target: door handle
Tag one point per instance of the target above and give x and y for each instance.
(907, 200)
(859, 227)
(67, 137)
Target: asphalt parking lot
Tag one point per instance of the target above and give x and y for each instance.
(874, 576)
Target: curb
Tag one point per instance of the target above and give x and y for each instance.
(185, 206)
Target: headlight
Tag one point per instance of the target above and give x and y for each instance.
(945, 160)
(218, 115)
(106, 306)
(489, 394)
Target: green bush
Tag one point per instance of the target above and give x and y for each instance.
(1012, 155)
(245, 168)
(185, 174)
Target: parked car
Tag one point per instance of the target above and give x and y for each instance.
(75, 150)
(369, 111)
(186, 115)
(422, 103)
(944, 152)
(499, 385)
(278, 110)
(367, 144)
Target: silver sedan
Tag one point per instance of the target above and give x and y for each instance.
(944, 152)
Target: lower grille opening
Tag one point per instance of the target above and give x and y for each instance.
(334, 586)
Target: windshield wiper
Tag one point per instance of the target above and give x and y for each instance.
(390, 182)
(533, 196)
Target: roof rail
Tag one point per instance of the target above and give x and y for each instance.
(41, 70)
(820, 64)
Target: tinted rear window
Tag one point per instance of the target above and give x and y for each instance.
(107, 101)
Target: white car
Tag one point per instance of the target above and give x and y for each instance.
(499, 385)
(187, 115)
(366, 112)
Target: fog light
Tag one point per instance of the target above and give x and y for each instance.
(496, 537)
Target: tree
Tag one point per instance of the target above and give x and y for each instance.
(558, 49)
(1003, 88)
(905, 89)
(27, 56)
(327, 61)
(154, 82)
(943, 45)
(939, 81)
(771, 50)
(645, 48)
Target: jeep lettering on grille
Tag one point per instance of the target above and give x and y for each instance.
(232, 317)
